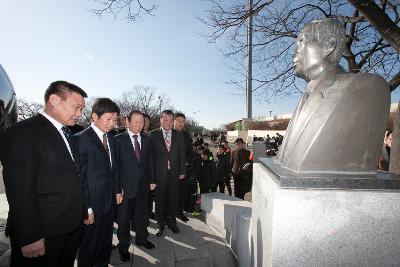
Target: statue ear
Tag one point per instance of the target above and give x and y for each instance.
(330, 45)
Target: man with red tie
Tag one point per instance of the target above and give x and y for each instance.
(170, 167)
(135, 173)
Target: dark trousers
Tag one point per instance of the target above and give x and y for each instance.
(240, 185)
(96, 243)
(134, 210)
(183, 195)
(151, 200)
(167, 196)
(192, 190)
(224, 181)
(60, 252)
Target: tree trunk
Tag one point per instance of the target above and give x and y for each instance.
(394, 165)
(380, 21)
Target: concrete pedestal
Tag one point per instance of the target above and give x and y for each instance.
(230, 216)
(299, 226)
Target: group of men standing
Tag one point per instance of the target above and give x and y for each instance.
(63, 190)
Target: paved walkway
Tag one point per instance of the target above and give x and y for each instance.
(196, 245)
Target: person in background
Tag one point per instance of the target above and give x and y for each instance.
(121, 125)
(227, 148)
(170, 167)
(207, 173)
(241, 168)
(179, 124)
(97, 165)
(45, 193)
(195, 161)
(222, 168)
(146, 126)
(146, 131)
(384, 159)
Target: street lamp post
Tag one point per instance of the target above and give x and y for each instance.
(249, 87)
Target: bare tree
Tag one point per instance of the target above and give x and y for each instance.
(133, 10)
(27, 109)
(144, 99)
(277, 23)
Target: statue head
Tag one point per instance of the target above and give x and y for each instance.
(319, 46)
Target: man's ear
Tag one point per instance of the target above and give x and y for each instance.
(330, 45)
(54, 100)
(94, 116)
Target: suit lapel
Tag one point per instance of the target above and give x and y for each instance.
(53, 132)
(145, 141)
(162, 140)
(129, 145)
(112, 147)
(96, 140)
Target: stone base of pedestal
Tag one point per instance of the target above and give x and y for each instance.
(231, 217)
(299, 226)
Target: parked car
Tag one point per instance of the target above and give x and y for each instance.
(8, 102)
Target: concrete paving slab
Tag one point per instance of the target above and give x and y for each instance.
(196, 245)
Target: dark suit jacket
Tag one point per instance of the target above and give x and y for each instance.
(133, 175)
(176, 155)
(188, 144)
(43, 185)
(96, 170)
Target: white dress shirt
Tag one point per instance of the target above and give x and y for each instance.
(100, 134)
(131, 134)
(169, 134)
(58, 127)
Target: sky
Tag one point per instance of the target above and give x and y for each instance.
(46, 40)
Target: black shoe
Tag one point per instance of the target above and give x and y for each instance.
(160, 231)
(124, 256)
(174, 228)
(147, 244)
(182, 217)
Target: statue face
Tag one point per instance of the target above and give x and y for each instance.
(308, 56)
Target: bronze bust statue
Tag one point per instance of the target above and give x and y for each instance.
(340, 121)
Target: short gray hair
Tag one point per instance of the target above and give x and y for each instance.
(323, 29)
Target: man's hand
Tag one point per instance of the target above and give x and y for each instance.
(152, 187)
(119, 198)
(182, 176)
(34, 250)
(90, 219)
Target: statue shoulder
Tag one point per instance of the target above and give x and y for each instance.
(362, 83)
(369, 79)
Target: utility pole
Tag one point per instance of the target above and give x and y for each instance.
(249, 87)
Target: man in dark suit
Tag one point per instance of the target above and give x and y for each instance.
(184, 195)
(241, 169)
(135, 173)
(169, 160)
(97, 161)
(42, 181)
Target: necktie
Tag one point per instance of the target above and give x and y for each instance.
(167, 141)
(68, 135)
(105, 144)
(168, 145)
(137, 146)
